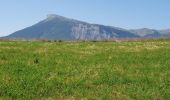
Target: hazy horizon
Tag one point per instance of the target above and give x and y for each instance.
(129, 14)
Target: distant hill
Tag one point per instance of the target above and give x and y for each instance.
(151, 33)
(58, 27)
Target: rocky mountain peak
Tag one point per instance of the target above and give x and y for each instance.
(57, 17)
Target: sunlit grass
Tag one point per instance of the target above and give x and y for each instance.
(85, 70)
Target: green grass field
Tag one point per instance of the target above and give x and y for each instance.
(122, 70)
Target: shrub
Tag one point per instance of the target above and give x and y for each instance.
(36, 61)
(60, 41)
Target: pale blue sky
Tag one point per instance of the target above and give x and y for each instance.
(18, 14)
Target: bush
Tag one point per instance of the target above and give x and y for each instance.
(60, 41)
(93, 40)
(36, 61)
(55, 40)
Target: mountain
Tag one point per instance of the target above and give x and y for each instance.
(59, 27)
(151, 33)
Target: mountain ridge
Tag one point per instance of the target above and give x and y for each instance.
(59, 27)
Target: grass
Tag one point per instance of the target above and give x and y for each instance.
(122, 70)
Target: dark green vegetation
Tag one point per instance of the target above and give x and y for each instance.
(85, 70)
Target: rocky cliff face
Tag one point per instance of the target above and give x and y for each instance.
(85, 31)
(58, 27)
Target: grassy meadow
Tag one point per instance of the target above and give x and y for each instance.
(87, 70)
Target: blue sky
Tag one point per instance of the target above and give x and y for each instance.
(129, 14)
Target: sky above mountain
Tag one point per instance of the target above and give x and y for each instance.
(130, 14)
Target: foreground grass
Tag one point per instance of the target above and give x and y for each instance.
(85, 70)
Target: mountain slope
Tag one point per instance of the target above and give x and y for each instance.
(58, 27)
(151, 33)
